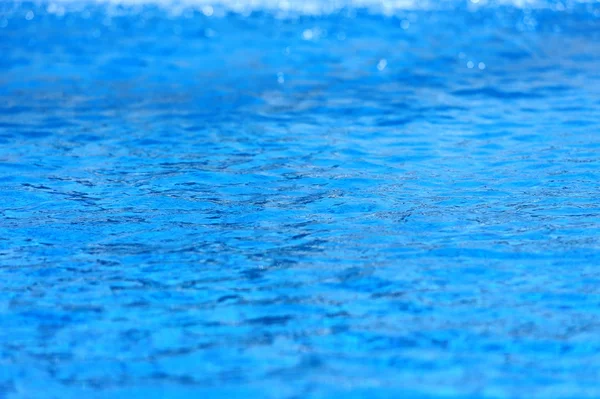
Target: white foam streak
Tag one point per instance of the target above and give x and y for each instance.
(320, 7)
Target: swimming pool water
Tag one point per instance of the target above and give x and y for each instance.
(300, 199)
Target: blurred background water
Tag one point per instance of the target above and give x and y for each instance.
(285, 199)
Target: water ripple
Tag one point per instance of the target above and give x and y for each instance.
(285, 199)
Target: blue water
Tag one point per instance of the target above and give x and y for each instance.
(300, 200)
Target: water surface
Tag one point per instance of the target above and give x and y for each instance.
(300, 200)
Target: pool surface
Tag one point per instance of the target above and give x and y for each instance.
(286, 199)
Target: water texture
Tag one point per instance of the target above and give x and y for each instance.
(300, 199)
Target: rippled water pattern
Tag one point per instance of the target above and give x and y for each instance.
(204, 202)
